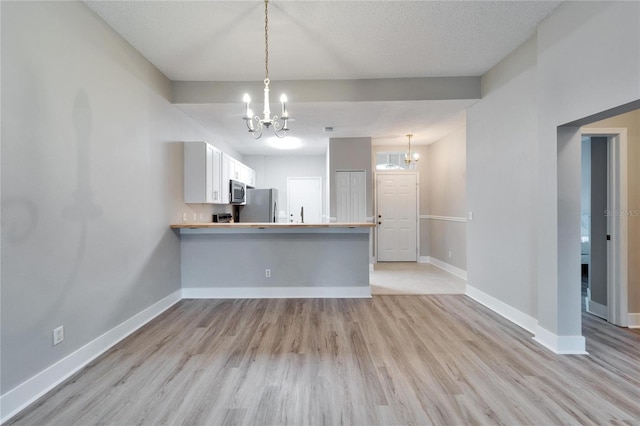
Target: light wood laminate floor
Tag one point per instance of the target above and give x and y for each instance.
(413, 278)
(389, 360)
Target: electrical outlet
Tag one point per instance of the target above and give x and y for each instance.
(450, 254)
(470, 216)
(58, 335)
(267, 273)
(184, 217)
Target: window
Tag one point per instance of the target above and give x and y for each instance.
(391, 161)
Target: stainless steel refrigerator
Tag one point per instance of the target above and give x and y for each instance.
(262, 206)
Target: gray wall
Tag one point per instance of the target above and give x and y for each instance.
(296, 259)
(566, 93)
(350, 154)
(501, 143)
(515, 171)
(631, 122)
(585, 179)
(446, 191)
(272, 172)
(91, 180)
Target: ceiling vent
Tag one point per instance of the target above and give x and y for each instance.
(327, 129)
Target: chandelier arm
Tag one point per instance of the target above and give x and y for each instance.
(256, 131)
(281, 133)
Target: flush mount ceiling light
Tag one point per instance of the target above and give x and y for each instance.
(256, 124)
(410, 157)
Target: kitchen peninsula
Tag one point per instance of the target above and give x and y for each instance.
(267, 260)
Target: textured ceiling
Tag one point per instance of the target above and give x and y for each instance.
(223, 41)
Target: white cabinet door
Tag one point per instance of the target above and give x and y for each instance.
(233, 169)
(201, 173)
(215, 172)
(226, 175)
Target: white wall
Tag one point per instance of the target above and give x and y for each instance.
(91, 180)
(273, 171)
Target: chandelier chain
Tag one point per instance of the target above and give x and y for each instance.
(266, 40)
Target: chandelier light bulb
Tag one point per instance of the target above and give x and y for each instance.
(283, 100)
(246, 99)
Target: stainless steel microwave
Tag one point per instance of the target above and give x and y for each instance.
(237, 192)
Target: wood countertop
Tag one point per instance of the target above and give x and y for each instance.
(211, 225)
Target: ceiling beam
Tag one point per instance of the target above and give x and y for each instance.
(370, 90)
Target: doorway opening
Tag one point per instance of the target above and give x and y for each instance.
(618, 125)
(604, 226)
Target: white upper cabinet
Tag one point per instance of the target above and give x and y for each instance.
(233, 169)
(202, 173)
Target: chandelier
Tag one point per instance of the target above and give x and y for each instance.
(410, 157)
(255, 124)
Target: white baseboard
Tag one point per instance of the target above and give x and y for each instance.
(277, 292)
(512, 314)
(557, 344)
(633, 320)
(596, 308)
(460, 273)
(562, 345)
(18, 398)
(424, 259)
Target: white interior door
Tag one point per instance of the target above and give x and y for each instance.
(343, 196)
(358, 197)
(304, 192)
(350, 196)
(397, 217)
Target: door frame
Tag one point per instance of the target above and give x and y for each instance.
(308, 178)
(617, 250)
(375, 207)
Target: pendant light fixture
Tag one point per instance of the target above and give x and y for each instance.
(410, 157)
(255, 124)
